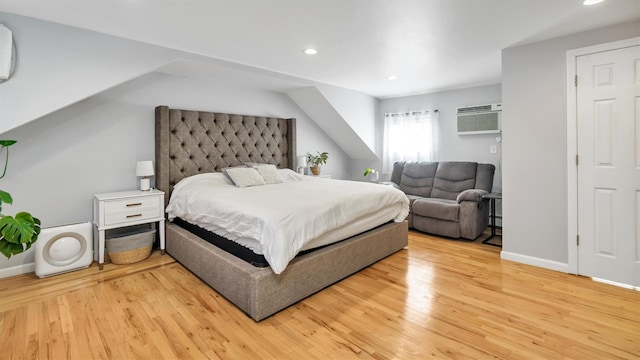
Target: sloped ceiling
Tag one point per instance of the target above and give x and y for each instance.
(318, 107)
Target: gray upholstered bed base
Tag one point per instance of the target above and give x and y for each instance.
(259, 292)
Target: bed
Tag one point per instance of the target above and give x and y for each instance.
(196, 142)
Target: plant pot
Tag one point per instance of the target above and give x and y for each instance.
(315, 170)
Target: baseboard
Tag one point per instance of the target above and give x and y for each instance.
(609, 282)
(17, 270)
(534, 261)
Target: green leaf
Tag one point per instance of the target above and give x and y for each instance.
(22, 229)
(7, 249)
(5, 197)
(7, 142)
(18, 234)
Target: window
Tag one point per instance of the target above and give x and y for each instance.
(410, 136)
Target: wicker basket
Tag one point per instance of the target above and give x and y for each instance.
(130, 248)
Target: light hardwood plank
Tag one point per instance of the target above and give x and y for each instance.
(438, 298)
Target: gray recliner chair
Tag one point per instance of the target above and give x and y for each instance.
(446, 198)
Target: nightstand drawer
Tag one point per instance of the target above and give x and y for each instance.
(132, 215)
(132, 205)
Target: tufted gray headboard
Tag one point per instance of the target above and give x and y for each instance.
(192, 142)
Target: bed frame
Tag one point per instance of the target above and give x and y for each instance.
(192, 142)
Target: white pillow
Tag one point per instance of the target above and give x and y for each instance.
(289, 175)
(244, 176)
(269, 173)
(211, 179)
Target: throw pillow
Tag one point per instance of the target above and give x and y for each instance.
(243, 177)
(269, 173)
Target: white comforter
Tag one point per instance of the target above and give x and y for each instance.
(283, 217)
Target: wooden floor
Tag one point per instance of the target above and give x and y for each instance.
(437, 299)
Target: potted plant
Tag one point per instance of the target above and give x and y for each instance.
(316, 160)
(18, 233)
(372, 174)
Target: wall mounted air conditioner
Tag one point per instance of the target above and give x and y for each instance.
(480, 119)
(6, 52)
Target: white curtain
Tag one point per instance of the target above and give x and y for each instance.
(410, 136)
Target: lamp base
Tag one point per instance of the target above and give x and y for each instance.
(145, 184)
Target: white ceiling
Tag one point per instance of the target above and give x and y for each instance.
(431, 45)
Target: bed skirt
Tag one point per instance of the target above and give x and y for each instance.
(259, 292)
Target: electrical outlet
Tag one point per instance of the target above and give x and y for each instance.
(493, 149)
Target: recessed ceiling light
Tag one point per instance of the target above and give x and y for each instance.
(310, 51)
(591, 2)
(393, 77)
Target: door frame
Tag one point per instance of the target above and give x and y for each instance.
(572, 141)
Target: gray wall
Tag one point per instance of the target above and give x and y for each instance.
(535, 145)
(62, 159)
(453, 147)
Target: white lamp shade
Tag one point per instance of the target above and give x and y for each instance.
(302, 161)
(144, 168)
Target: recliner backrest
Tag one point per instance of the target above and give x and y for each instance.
(453, 177)
(396, 174)
(417, 178)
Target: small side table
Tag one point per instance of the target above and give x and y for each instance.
(126, 208)
(492, 206)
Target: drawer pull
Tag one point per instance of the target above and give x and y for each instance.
(132, 216)
(134, 204)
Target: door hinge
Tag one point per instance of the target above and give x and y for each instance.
(575, 81)
(578, 240)
(576, 159)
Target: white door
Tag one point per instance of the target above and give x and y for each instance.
(608, 109)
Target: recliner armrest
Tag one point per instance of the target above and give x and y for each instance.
(474, 195)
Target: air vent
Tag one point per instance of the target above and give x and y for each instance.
(469, 109)
(479, 119)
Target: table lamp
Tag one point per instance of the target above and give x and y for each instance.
(144, 170)
(302, 164)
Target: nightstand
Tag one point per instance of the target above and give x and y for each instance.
(126, 208)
